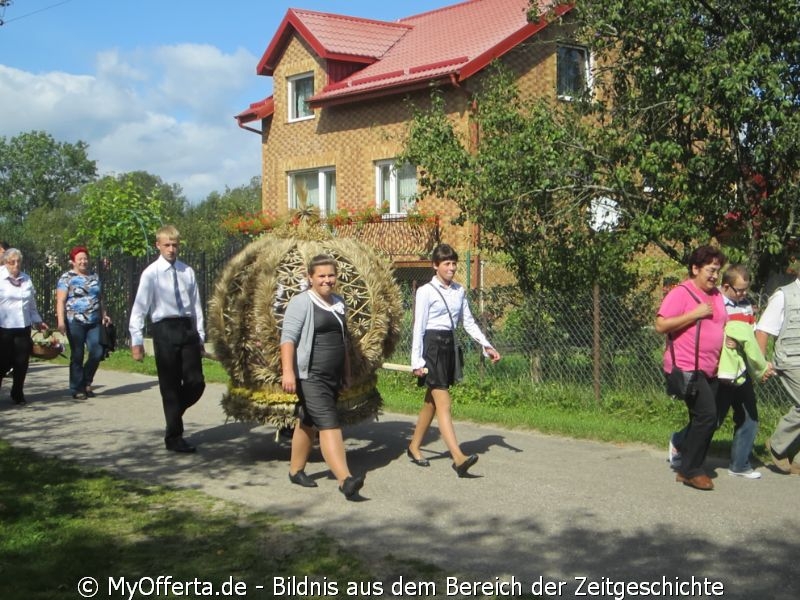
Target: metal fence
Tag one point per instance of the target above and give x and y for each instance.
(587, 344)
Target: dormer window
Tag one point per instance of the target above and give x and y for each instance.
(573, 73)
(301, 88)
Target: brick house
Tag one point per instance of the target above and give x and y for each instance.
(340, 105)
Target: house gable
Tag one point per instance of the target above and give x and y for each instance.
(363, 94)
(366, 58)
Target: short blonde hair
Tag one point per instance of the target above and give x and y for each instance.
(168, 232)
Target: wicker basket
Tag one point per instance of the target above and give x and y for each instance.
(45, 352)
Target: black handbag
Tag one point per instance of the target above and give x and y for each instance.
(108, 339)
(682, 385)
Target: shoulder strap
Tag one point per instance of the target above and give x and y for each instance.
(447, 308)
(696, 336)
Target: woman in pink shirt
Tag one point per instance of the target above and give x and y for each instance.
(696, 303)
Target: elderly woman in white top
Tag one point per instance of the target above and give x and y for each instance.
(18, 313)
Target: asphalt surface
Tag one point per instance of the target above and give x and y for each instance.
(586, 517)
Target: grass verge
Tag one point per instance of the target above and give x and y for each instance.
(61, 523)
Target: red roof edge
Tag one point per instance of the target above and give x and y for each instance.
(389, 90)
(257, 111)
(292, 22)
(508, 44)
(438, 65)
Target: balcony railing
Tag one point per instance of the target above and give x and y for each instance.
(401, 237)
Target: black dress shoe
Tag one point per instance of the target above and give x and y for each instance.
(300, 478)
(179, 445)
(420, 462)
(351, 486)
(462, 469)
(19, 400)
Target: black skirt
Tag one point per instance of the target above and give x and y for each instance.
(438, 350)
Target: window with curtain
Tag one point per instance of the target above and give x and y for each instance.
(395, 186)
(301, 88)
(572, 78)
(313, 188)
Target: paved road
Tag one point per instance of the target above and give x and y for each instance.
(539, 509)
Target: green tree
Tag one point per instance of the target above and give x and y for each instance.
(173, 202)
(35, 171)
(699, 106)
(691, 131)
(201, 225)
(528, 183)
(118, 216)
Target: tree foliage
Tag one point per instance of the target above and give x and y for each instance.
(529, 183)
(691, 130)
(700, 138)
(201, 224)
(36, 171)
(119, 216)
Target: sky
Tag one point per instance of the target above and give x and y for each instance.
(152, 85)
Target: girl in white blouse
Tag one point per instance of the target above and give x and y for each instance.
(440, 306)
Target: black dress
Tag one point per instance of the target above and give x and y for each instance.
(319, 392)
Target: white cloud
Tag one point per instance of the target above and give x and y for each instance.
(168, 111)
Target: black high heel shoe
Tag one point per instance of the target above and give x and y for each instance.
(420, 462)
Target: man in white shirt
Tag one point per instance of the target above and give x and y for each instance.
(781, 319)
(168, 293)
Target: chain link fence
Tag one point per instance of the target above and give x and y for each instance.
(588, 344)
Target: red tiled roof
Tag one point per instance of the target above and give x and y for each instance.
(451, 42)
(333, 37)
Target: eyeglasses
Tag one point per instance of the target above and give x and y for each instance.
(739, 291)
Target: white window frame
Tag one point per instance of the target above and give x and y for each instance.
(326, 189)
(394, 200)
(292, 86)
(586, 64)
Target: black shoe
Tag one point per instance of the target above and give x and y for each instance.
(301, 478)
(90, 393)
(79, 396)
(462, 469)
(20, 400)
(351, 486)
(420, 462)
(179, 445)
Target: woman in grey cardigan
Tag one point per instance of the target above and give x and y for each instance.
(315, 366)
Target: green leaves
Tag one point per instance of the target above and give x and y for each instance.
(118, 217)
(36, 171)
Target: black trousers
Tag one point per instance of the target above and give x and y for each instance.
(702, 424)
(15, 352)
(178, 357)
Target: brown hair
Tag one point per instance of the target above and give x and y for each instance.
(322, 260)
(705, 255)
(443, 252)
